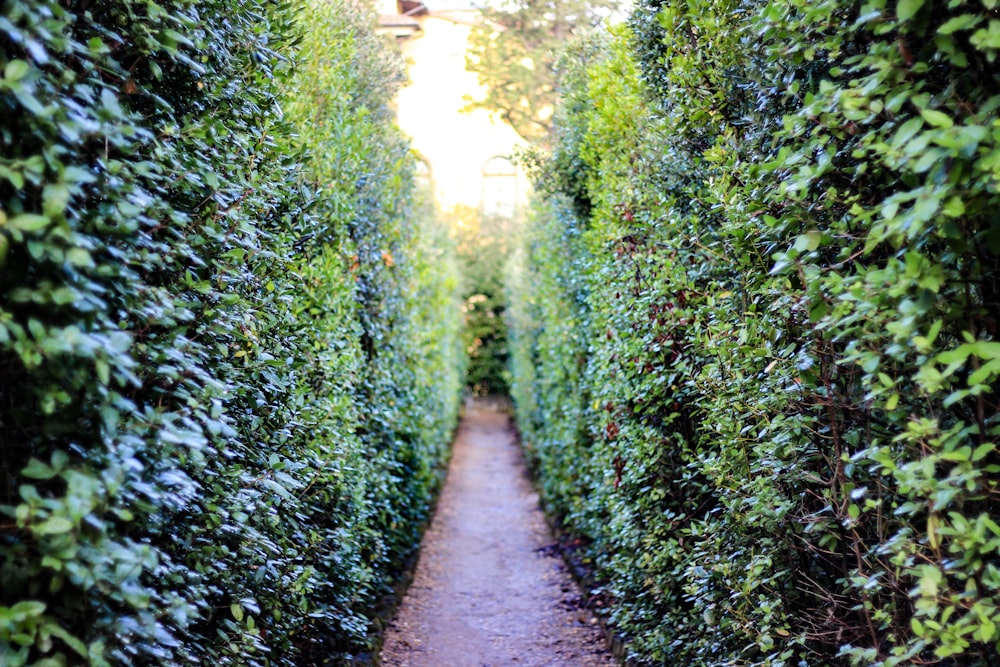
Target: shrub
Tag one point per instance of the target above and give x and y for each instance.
(772, 419)
(482, 252)
(188, 351)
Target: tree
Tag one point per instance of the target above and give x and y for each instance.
(513, 52)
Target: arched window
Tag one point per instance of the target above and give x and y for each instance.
(499, 197)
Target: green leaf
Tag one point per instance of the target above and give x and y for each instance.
(907, 9)
(809, 241)
(907, 131)
(55, 198)
(60, 633)
(110, 102)
(925, 208)
(954, 207)
(38, 470)
(963, 22)
(818, 311)
(963, 453)
(985, 373)
(29, 222)
(52, 563)
(937, 118)
(16, 70)
(56, 525)
(987, 38)
(79, 257)
(935, 330)
(103, 371)
(65, 295)
(982, 451)
(930, 158)
(986, 631)
(27, 609)
(15, 177)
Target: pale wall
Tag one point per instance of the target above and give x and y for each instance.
(456, 144)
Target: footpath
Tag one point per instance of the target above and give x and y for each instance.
(490, 589)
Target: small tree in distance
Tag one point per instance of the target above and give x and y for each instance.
(482, 246)
(513, 53)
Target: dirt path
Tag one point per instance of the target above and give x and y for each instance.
(489, 591)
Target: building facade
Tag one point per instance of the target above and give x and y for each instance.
(465, 155)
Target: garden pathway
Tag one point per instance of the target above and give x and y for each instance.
(490, 589)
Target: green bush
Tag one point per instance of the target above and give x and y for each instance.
(218, 329)
(482, 255)
(401, 272)
(754, 335)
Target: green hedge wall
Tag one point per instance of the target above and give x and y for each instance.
(754, 330)
(229, 351)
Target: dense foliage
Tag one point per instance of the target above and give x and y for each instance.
(512, 51)
(754, 330)
(482, 255)
(228, 371)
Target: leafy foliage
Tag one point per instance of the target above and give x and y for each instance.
(482, 251)
(753, 330)
(189, 358)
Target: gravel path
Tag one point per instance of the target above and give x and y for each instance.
(489, 590)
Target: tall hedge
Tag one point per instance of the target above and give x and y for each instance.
(755, 340)
(198, 328)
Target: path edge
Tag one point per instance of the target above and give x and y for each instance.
(386, 608)
(582, 574)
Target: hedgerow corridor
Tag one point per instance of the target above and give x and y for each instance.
(751, 318)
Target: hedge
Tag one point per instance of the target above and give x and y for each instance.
(229, 352)
(754, 334)
(482, 255)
